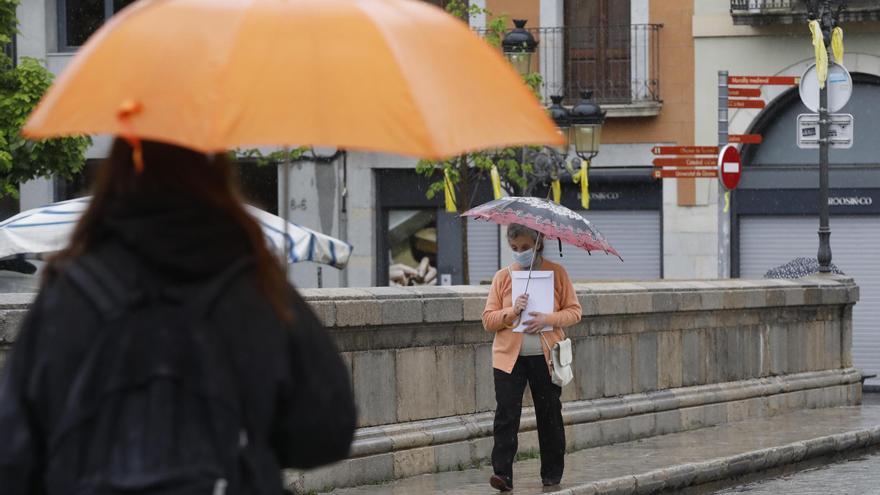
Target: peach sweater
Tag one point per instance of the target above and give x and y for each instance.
(498, 316)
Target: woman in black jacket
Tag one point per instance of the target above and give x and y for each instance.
(176, 224)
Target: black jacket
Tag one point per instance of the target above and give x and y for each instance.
(295, 386)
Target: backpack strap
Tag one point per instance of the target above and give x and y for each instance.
(209, 293)
(100, 285)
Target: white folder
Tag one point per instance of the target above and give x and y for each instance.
(541, 294)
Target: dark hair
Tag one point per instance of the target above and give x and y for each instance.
(168, 168)
(515, 230)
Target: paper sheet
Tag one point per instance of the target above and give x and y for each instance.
(541, 294)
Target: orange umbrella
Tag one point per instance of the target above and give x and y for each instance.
(376, 75)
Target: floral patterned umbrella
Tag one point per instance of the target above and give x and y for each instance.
(550, 219)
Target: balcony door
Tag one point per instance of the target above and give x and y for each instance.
(598, 49)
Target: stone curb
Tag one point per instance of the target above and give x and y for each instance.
(698, 473)
(376, 440)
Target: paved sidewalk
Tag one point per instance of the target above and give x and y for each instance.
(670, 461)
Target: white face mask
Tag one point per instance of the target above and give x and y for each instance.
(524, 258)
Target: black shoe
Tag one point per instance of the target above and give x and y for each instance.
(501, 483)
(551, 481)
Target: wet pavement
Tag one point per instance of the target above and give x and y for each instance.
(859, 476)
(668, 452)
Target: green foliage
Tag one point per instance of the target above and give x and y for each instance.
(21, 88)
(272, 158)
(21, 160)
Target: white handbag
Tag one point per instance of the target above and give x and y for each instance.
(560, 362)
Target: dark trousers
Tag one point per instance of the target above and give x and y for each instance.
(509, 389)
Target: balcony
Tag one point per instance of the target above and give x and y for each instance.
(621, 64)
(765, 12)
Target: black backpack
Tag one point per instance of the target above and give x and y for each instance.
(154, 407)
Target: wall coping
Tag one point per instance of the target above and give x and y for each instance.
(373, 306)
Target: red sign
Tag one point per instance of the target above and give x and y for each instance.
(686, 174)
(684, 150)
(729, 166)
(745, 138)
(684, 161)
(744, 92)
(774, 80)
(745, 103)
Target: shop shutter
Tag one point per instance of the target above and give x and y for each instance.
(634, 233)
(766, 242)
(482, 250)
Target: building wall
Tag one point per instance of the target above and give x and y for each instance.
(746, 50)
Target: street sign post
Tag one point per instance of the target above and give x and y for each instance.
(840, 131)
(729, 167)
(839, 84)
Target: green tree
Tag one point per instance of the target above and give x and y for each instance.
(21, 87)
(466, 171)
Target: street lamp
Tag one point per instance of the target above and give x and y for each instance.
(518, 46)
(829, 19)
(562, 117)
(586, 120)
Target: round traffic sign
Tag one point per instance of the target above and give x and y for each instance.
(729, 167)
(839, 84)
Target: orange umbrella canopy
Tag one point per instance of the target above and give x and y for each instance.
(395, 76)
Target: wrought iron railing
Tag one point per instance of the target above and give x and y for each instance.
(621, 64)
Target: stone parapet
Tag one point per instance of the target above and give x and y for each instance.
(650, 358)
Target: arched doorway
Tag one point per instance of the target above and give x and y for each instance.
(775, 211)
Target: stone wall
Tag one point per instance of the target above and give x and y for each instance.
(650, 358)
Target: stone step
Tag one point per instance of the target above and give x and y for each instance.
(671, 462)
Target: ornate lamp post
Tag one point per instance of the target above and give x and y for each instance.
(518, 46)
(828, 18)
(587, 118)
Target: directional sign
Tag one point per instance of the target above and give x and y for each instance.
(685, 174)
(684, 150)
(684, 161)
(729, 166)
(744, 92)
(745, 103)
(745, 138)
(762, 80)
(840, 132)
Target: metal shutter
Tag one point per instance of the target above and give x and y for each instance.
(635, 235)
(482, 250)
(766, 242)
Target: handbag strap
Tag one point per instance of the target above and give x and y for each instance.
(549, 351)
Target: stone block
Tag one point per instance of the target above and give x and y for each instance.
(794, 296)
(692, 418)
(585, 435)
(665, 302)
(609, 304)
(453, 456)
(846, 338)
(614, 431)
(484, 378)
(646, 362)
(401, 311)
(455, 380)
(417, 382)
(618, 365)
(443, 309)
(669, 360)
(481, 448)
(528, 442)
(375, 393)
(643, 425)
(711, 300)
(358, 313)
(589, 367)
(638, 303)
(472, 308)
(668, 422)
(326, 312)
(412, 462)
(694, 358)
(737, 411)
(778, 349)
(734, 299)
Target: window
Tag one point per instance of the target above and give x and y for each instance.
(598, 48)
(79, 19)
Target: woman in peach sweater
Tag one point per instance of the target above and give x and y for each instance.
(520, 358)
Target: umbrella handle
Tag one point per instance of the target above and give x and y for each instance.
(532, 264)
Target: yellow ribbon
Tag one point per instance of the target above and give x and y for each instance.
(837, 44)
(582, 178)
(821, 53)
(557, 191)
(496, 182)
(450, 193)
(726, 201)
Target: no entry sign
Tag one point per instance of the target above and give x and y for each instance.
(729, 167)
